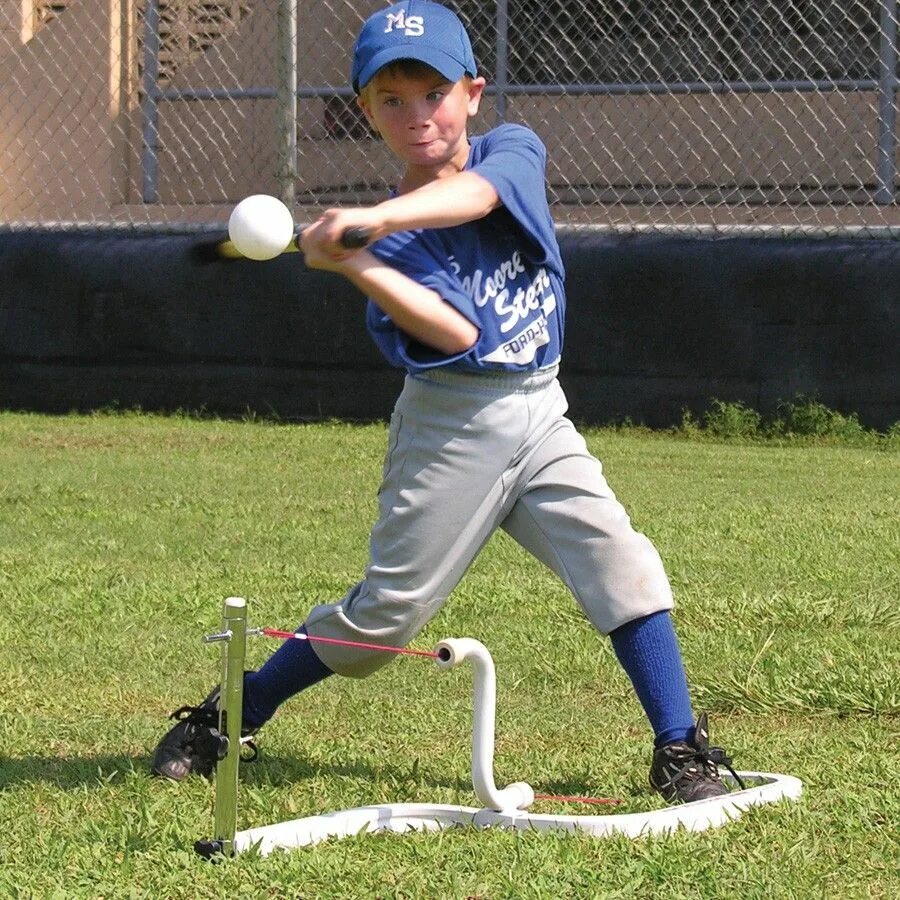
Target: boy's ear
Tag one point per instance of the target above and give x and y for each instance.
(476, 92)
(364, 106)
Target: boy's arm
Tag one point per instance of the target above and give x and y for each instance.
(443, 203)
(415, 309)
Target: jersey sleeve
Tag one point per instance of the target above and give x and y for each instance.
(514, 160)
(420, 257)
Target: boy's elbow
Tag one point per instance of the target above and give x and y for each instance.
(487, 197)
(461, 340)
(490, 207)
(492, 201)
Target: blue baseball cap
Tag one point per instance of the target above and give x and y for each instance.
(414, 29)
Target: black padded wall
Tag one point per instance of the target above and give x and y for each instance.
(655, 325)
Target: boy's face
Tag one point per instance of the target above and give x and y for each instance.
(422, 117)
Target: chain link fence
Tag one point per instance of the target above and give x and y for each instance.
(721, 116)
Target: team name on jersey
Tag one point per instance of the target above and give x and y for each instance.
(482, 289)
(524, 302)
(522, 347)
(412, 26)
(511, 307)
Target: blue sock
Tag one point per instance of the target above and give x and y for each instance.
(291, 668)
(647, 649)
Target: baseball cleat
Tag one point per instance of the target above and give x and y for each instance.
(683, 772)
(194, 743)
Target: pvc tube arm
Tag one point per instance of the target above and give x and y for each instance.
(451, 652)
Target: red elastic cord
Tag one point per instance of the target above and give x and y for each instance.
(275, 633)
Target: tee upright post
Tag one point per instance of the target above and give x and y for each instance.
(231, 701)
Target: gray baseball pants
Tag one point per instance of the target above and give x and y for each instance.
(468, 454)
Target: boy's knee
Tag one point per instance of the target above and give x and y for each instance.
(363, 618)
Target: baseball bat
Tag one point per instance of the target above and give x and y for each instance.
(354, 238)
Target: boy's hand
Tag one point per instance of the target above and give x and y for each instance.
(321, 241)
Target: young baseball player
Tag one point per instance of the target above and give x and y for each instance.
(465, 286)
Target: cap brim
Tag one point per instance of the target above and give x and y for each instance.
(449, 67)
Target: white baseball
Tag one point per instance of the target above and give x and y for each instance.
(261, 227)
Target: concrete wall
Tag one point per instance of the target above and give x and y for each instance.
(61, 103)
(656, 325)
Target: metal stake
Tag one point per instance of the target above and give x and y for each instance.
(231, 703)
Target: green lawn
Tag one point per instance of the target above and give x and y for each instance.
(121, 535)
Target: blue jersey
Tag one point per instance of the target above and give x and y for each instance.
(503, 272)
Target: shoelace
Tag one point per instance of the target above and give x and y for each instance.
(712, 757)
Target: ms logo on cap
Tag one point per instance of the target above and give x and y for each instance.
(413, 26)
(430, 33)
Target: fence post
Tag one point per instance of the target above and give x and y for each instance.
(887, 106)
(150, 104)
(501, 69)
(286, 94)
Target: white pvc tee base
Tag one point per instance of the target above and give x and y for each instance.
(451, 652)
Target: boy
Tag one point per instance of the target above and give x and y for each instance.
(465, 286)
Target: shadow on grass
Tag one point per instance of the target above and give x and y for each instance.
(281, 770)
(72, 772)
(69, 772)
(275, 771)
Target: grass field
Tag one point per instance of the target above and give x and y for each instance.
(120, 536)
